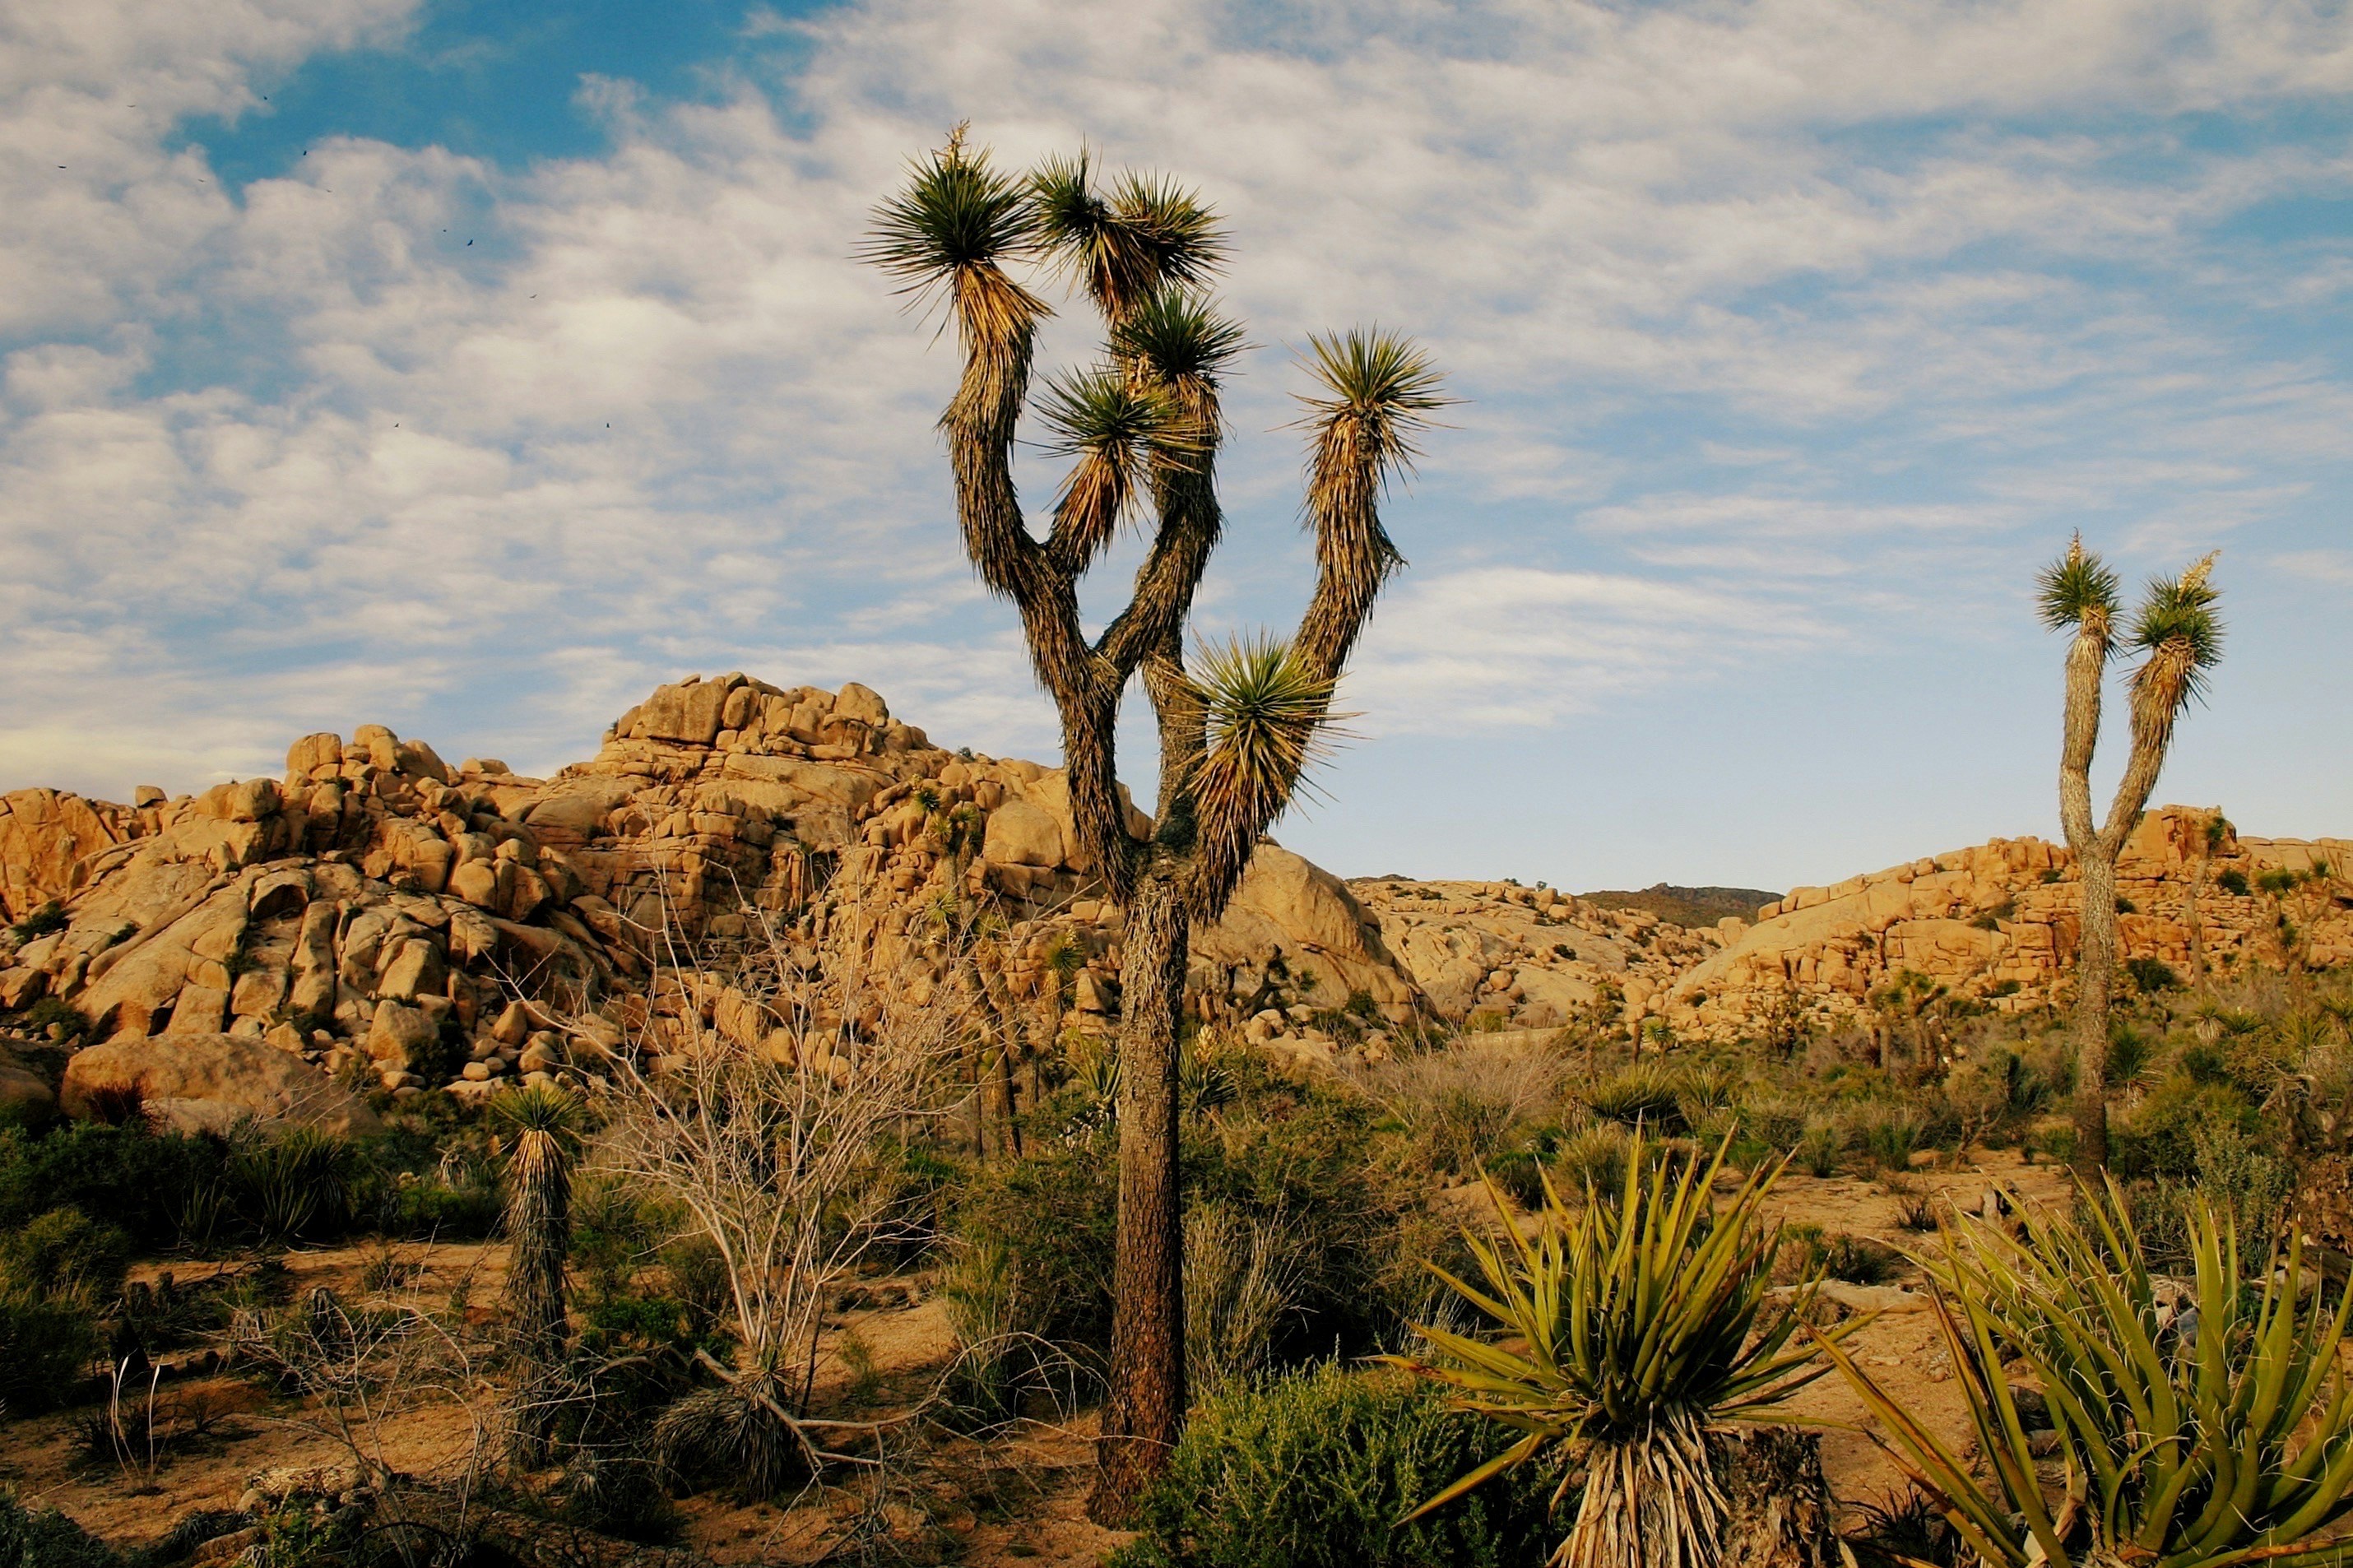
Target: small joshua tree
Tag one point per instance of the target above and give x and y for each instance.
(1144, 426)
(545, 1124)
(2178, 631)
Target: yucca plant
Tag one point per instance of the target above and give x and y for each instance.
(1633, 1333)
(2194, 1432)
(2180, 635)
(1143, 428)
(543, 1124)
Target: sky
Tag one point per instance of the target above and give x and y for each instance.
(471, 368)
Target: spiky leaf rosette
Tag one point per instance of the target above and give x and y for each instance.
(1177, 338)
(1122, 434)
(1377, 390)
(950, 232)
(1629, 1329)
(2077, 590)
(2181, 632)
(1268, 719)
(1148, 235)
(2195, 1433)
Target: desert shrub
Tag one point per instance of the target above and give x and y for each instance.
(1818, 1152)
(137, 1179)
(2162, 1136)
(1243, 1278)
(1886, 1134)
(1461, 1105)
(50, 917)
(293, 1185)
(65, 1249)
(2247, 1179)
(1858, 1261)
(1050, 1214)
(1318, 1468)
(47, 1539)
(2152, 975)
(1358, 1235)
(1643, 1095)
(1594, 1159)
(48, 1341)
(50, 1013)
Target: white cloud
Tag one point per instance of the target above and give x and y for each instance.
(660, 416)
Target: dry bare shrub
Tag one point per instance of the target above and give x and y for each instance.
(776, 1127)
(1243, 1275)
(366, 1369)
(1460, 1103)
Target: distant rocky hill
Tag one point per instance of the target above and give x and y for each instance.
(1686, 906)
(376, 912)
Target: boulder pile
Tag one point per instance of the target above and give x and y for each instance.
(377, 913)
(1999, 924)
(378, 919)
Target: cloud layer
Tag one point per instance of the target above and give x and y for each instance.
(1789, 329)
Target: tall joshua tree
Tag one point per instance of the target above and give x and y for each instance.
(545, 1125)
(1144, 426)
(2180, 636)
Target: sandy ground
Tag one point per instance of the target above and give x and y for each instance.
(1019, 1501)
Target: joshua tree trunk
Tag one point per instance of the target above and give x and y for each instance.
(2176, 626)
(1144, 427)
(2096, 976)
(1147, 1351)
(543, 1123)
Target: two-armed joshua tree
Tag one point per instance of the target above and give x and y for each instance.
(1144, 426)
(2178, 632)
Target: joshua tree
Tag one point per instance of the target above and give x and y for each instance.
(1144, 426)
(545, 1124)
(2177, 629)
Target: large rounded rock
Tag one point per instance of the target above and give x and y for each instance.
(236, 1070)
(1020, 834)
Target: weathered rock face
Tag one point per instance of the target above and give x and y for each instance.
(232, 1071)
(1499, 956)
(1998, 923)
(375, 910)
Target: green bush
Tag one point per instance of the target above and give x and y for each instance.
(295, 1186)
(2152, 975)
(48, 1342)
(139, 1180)
(1051, 1215)
(47, 1539)
(1640, 1095)
(65, 1249)
(2162, 1138)
(1317, 1467)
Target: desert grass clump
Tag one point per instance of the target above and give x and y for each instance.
(2197, 1428)
(1641, 1095)
(1632, 1332)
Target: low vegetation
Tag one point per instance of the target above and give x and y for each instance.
(1587, 1255)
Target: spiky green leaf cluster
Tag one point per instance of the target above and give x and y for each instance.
(1624, 1318)
(2077, 586)
(1176, 336)
(1267, 722)
(1378, 382)
(2201, 1438)
(954, 212)
(1124, 247)
(2180, 613)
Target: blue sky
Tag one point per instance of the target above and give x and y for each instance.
(471, 368)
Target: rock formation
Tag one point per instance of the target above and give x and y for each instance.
(378, 910)
(1997, 924)
(377, 913)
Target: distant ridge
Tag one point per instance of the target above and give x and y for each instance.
(1687, 906)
